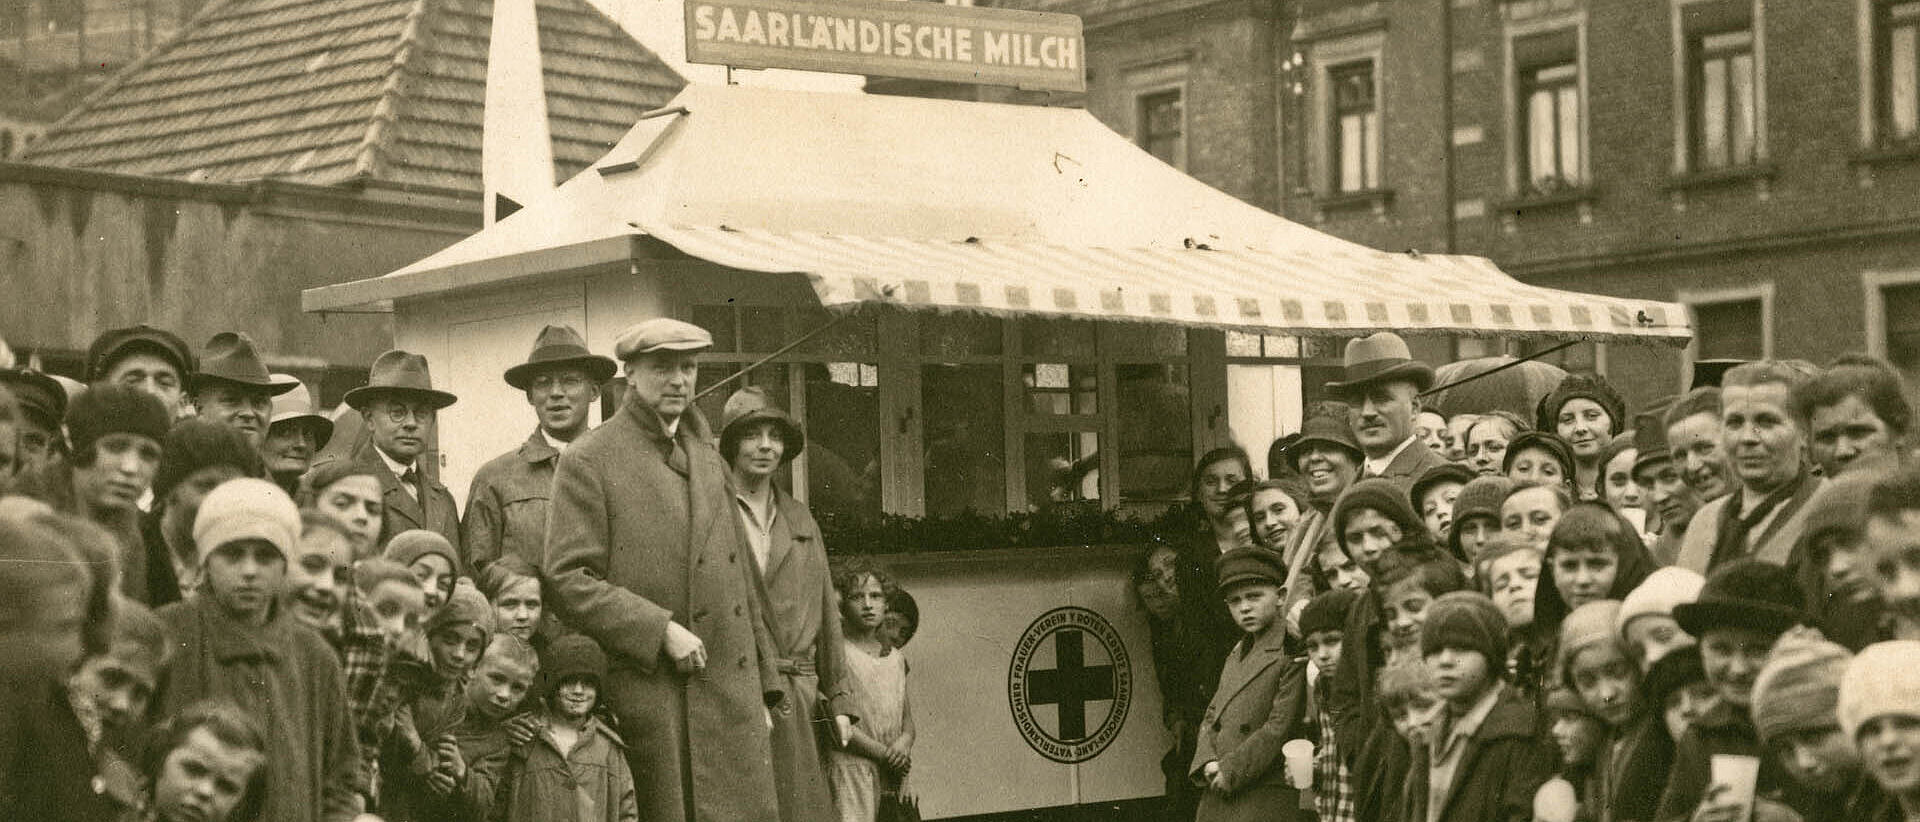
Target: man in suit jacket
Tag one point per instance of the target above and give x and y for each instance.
(646, 556)
(401, 409)
(1382, 387)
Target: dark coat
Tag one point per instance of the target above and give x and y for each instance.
(1257, 707)
(56, 777)
(1724, 730)
(284, 676)
(1638, 761)
(53, 485)
(507, 505)
(1504, 763)
(803, 613)
(435, 510)
(633, 543)
(1409, 464)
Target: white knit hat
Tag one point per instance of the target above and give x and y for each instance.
(1884, 679)
(1657, 595)
(246, 508)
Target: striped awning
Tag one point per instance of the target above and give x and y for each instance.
(1314, 292)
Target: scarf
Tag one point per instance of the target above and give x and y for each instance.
(1735, 527)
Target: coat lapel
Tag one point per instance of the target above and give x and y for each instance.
(1242, 671)
(784, 521)
(398, 501)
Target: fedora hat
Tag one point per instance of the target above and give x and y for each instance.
(296, 407)
(231, 359)
(1745, 593)
(399, 374)
(749, 406)
(1378, 357)
(559, 346)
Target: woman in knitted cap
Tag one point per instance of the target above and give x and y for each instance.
(1593, 555)
(1476, 517)
(1488, 755)
(1795, 700)
(1646, 622)
(1879, 710)
(431, 558)
(1586, 412)
(233, 640)
(1742, 611)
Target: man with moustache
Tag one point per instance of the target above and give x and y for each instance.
(1382, 387)
(401, 409)
(1766, 446)
(233, 387)
(507, 506)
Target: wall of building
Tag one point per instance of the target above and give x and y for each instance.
(82, 252)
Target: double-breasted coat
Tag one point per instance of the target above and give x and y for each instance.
(1257, 708)
(642, 531)
(803, 614)
(435, 510)
(507, 504)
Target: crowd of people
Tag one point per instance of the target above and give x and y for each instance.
(1703, 610)
(208, 615)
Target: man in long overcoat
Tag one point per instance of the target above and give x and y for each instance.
(646, 556)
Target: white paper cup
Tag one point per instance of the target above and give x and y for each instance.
(1299, 756)
(1555, 802)
(1741, 776)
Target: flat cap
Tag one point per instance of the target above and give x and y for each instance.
(660, 334)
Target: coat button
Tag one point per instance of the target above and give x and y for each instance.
(743, 662)
(737, 611)
(1245, 728)
(732, 557)
(1216, 726)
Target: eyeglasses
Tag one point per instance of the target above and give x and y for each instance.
(399, 413)
(566, 382)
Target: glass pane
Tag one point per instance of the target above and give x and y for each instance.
(763, 329)
(1744, 114)
(1061, 389)
(719, 321)
(1903, 81)
(711, 373)
(1713, 113)
(849, 339)
(1156, 430)
(1145, 339)
(1372, 127)
(960, 335)
(1280, 345)
(1352, 147)
(1062, 467)
(1569, 109)
(1057, 338)
(965, 439)
(843, 444)
(1729, 330)
(1540, 140)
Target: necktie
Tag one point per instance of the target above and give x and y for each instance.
(411, 479)
(677, 459)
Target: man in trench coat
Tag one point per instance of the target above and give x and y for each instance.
(646, 556)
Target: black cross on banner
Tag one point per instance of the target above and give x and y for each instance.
(1071, 684)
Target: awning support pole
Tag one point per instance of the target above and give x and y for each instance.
(1501, 367)
(803, 338)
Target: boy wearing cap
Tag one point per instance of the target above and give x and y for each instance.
(1260, 698)
(1487, 756)
(42, 404)
(507, 506)
(234, 640)
(575, 769)
(1743, 609)
(1669, 496)
(145, 359)
(1880, 712)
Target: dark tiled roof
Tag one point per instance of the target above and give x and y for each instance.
(327, 91)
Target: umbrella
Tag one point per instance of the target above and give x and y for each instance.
(1517, 389)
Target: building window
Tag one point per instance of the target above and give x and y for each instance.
(1900, 305)
(1724, 99)
(1162, 126)
(1730, 330)
(1355, 127)
(1553, 125)
(1897, 69)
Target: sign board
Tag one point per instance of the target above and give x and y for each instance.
(891, 38)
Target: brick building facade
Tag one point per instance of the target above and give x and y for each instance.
(1757, 160)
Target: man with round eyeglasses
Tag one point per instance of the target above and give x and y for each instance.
(401, 409)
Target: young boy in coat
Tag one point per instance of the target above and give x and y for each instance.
(575, 770)
(1261, 696)
(494, 726)
(1487, 756)
(422, 764)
